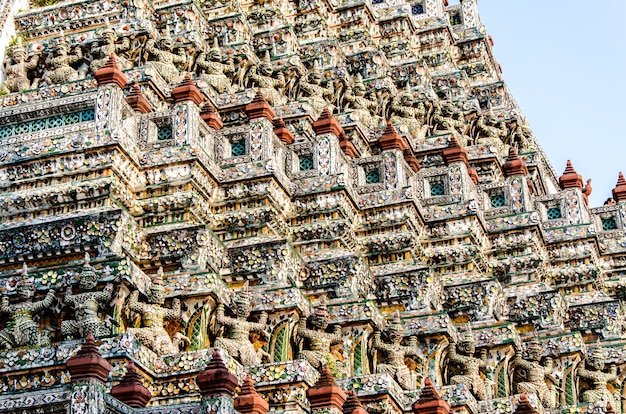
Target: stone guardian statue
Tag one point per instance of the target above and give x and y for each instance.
(236, 338)
(86, 306)
(22, 330)
(394, 354)
(152, 333)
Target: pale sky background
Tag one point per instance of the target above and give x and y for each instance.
(564, 61)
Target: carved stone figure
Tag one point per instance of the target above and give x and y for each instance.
(214, 71)
(316, 347)
(236, 338)
(538, 376)
(489, 131)
(107, 45)
(313, 92)
(164, 60)
(461, 355)
(22, 330)
(447, 120)
(592, 371)
(17, 71)
(152, 333)
(269, 86)
(520, 136)
(61, 62)
(394, 354)
(407, 117)
(361, 109)
(86, 306)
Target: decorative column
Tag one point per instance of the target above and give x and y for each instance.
(429, 401)
(249, 401)
(325, 396)
(108, 110)
(187, 99)
(137, 101)
(131, 390)
(217, 386)
(328, 132)
(89, 372)
(524, 407)
(515, 171)
(393, 148)
(260, 114)
(571, 182)
(619, 192)
(353, 405)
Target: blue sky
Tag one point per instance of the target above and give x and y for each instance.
(564, 61)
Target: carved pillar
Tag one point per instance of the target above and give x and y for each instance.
(429, 401)
(394, 150)
(185, 125)
(108, 110)
(325, 396)
(89, 372)
(353, 405)
(328, 132)
(260, 114)
(217, 386)
(249, 401)
(524, 407)
(131, 390)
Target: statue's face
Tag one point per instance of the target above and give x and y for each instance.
(315, 78)
(359, 90)
(19, 57)
(215, 55)
(406, 100)
(25, 292)
(266, 69)
(157, 296)
(395, 336)
(534, 354)
(242, 309)
(596, 363)
(468, 348)
(166, 43)
(63, 50)
(320, 321)
(87, 283)
(109, 37)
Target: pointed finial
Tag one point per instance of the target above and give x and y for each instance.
(619, 192)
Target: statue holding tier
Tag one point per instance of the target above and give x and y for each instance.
(86, 306)
(446, 120)
(61, 62)
(357, 105)
(394, 355)
(316, 342)
(407, 117)
(270, 86)
(22, 330)
(214, 71)
(152, 333)
(107, 46)
(489, 131)
(538, 376)
(17, 71)
(593, 371)
(236, 338)
(164, 60)
(313, 92)
(461, 355)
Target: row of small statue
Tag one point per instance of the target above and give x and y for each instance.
(318, 346)
(415, 118)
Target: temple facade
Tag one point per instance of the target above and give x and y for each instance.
(293, 206)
